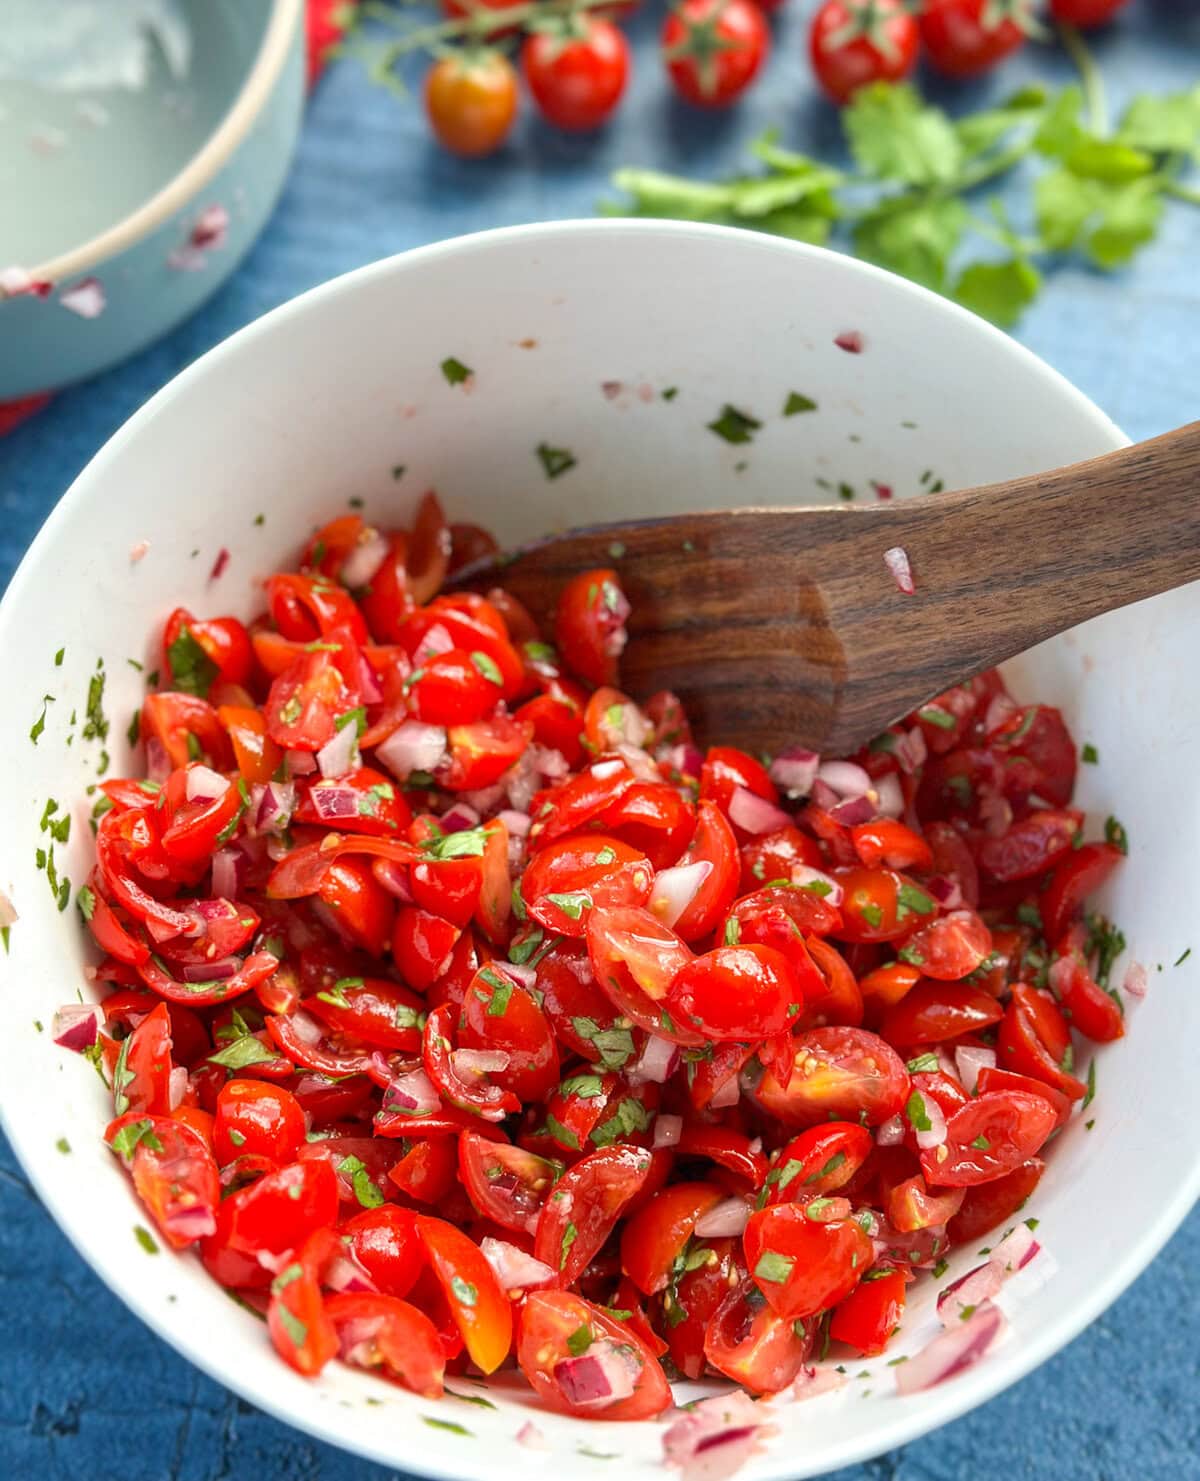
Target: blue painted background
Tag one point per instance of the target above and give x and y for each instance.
(85, 1390)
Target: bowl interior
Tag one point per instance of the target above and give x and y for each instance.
(100, 107)
(573, 334)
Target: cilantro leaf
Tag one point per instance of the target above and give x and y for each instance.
(999, 291)
(894, 135)
(192, 670)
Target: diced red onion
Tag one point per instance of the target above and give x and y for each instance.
(1011, 1255)
(86, 298)
(998, 711)
(414, 1093)
(640, 762)
(1136, 982)
(599, 1376)
(946, 891)
(339, 754)
(205, 785)
(794, 770)
(667, 1130)
(969, 1060)
(277, 848)
(727, 1094)
(602, 770)
(868, 1221)
(393, 877)
(333, 803)
(725, 1220)
(275, 806)
(531, 1437)
(847, 778)
(936, 1133)
(306, 1028)
(755, 814)
(437, 640)
(365, 559)
(459, 818)
(369, 692)
(76, 1026)
(8, 912)
(853, 811)
(850, 340)
(486, 800)
(616, 637)
(517, 823)
(1016, 1249)
(946, 1062)
(911, 750)
(897, 561)
(890, 1133)
(473, 1064)
(711, 1441)
(344, 1273)
(889, 795)
(177, 1085)
(687, 760)
(158, 763)
(522, 972)
(196, 1222)
(811, 1383)
(656, 1062)
(226, 873)
(674, 889)
(513, 1268)
(300, 763)
(219, 971)
(412, 747)
(803, 876)
(995, 813)
(954, 1350)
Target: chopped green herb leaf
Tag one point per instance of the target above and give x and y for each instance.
(735, 426)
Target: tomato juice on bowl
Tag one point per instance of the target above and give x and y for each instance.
(539, 403)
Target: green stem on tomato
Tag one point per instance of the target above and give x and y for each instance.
(480, 24)
(1089, 76)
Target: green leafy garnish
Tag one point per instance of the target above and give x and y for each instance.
(191, 668)
(555, 461)
(735, 426)
(455, 371)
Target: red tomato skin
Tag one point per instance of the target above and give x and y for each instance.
(405, 1345)
(592, 867)
(1079, 874)
(749, 1342)
(994, 1078)
(576, 83)
(255, 1118)
(869, 1315)
(934, 1011)
(959, 42)
(596, 1190)
(988, 1205)
(815, 1154)
(843, 66)
(547, 1319)
(486, 1321)
(737, 23)
(654, 1236)
(1092, 1011)
(385, 1243)
(1086, 13)
(589, 626)
(840, 1072)
(736, 992)
(1012, 1123)
(827, 1259)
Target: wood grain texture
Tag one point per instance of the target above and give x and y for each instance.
(782, 624)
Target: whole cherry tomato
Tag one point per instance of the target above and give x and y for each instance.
(1085, 13)
(589, 625)
(854, 42)
(713, 49)
(576, 70)
(966, 37)
(471, 101)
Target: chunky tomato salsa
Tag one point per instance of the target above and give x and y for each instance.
(460, 1012)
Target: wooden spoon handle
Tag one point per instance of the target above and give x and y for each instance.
(1002, 567)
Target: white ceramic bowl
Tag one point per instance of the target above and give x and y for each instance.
(319, 402)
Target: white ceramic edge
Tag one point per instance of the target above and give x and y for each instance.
(1009, 1363)
(211, 157)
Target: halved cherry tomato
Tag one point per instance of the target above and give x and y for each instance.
(300, 1328)
(1079, 875)
(568, 880)
(713, 843)
(845, 1073)
(880, 904)
(306, 701)
(255, 1118)
(989, 1137)
(933, 1011)
(869, 1315)
(257, 756)
(480, 1308)
(1094, 1012)
(464, 1087)
(384, 1242)
(885, 841)
(558, 1331)
(589, 625)
(910, 1205)
(390, 1337)
(506, 1184)
(1034, 1039)
(585, 1204)
(951, 947)
(988, 1205)
(751, 1343)
(801, 1263)
(173, 1174)
(735, 992)
(142, 1077)
(364, 801)
(992, 1077)
(169, 718)
(635, 960)
(818, 1162)
(1031, 845)
(772, 857)
(499, 1014)
(654, 1237)
(732, 1150)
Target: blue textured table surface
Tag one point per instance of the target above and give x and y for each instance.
(85, 1390)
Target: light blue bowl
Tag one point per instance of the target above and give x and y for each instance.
(141, 154)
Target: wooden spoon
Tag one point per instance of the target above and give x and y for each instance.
(784, 625)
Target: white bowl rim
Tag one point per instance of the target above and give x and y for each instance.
(208, 160)
(978, 1384)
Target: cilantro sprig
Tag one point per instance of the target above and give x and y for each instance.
(909, 198)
